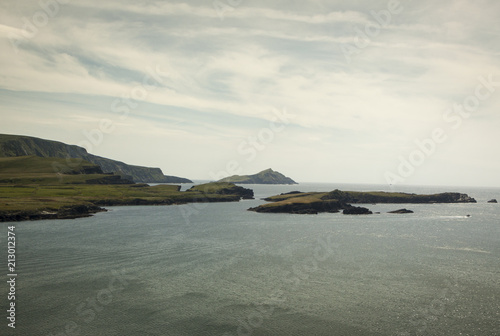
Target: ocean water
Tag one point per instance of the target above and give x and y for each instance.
(217, 269)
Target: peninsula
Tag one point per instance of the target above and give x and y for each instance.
(31, 190)
(18, 145)
(267, 176)
(315, 202)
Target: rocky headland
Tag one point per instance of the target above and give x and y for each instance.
(31, 190)
(267, 176)
(18, 145)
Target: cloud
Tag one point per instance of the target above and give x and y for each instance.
(221, 77)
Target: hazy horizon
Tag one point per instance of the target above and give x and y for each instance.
(370, 92)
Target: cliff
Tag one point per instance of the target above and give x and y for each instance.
(16, 145)
(267, 176)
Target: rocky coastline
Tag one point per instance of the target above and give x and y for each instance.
(315, 202)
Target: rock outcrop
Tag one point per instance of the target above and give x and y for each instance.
(65, 212)
(299, 207)
(352, 210)
(401, 211)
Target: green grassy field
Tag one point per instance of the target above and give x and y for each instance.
(30, 184)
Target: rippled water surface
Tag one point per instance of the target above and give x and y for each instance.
(217, 269)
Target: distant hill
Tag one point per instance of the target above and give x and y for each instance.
(17, 145)
(267, 176)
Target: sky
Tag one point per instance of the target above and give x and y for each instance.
(385, 92)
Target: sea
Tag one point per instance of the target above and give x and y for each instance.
(218, 269)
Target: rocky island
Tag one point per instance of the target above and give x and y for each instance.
(267, 176)
(314, 202)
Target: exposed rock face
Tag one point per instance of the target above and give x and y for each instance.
(493, 201)
(14, 145)
(301, 207)
(267, 176)
(401, 211)
(66, 212)
(223, 188)
(351, 210)
(292, 193)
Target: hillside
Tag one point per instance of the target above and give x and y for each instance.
(16, 145)
(35, 170)
(31, 189)
(267, 176)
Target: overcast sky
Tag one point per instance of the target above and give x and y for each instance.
(320, 90)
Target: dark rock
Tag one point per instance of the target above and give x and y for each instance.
(339, 195)
(493, 201)
(356, 211)
(305, 212)
(332, 206)
(291, 193)
(401, 211)
(77, 211)
(65, 212)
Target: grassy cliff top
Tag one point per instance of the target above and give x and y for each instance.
(20, 145)
(35, 164)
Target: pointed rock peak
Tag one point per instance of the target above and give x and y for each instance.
(267, 176)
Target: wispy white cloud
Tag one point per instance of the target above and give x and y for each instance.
(222, 78)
